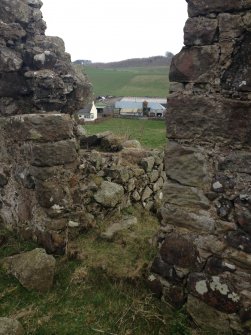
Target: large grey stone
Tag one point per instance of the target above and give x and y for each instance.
(40, 127)
(174, 215)
(34, 269)
(184, 196)
(207, 317)
(185, 165)
(199, 118)
(55, 153)
(148, 163)
(178, 250)
(195, 64)
(110, 194)
(10, 327)
(200, 31)
(216, 291)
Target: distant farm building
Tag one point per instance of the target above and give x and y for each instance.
(139, 107)
(89, 113)
(104, 109)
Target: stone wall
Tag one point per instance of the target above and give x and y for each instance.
(39, 148)
(114, 180)
(205, 240)
(36, 72)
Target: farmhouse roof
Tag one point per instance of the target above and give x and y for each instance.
(138, 105)
(141, 99)
(85, 110)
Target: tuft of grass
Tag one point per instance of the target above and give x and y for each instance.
(13, 244)
(179, 324)
(150, 133)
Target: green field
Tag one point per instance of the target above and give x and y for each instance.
(150, 133)
(137, 81)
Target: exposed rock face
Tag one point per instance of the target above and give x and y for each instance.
(206, 217)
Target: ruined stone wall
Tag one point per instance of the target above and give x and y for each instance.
(39, 149)
(205, 240)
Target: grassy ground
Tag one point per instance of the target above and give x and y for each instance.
(150, 133)
(94, 294)
(150, 81)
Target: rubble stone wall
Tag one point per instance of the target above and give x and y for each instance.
(205, 240)
(39, 149)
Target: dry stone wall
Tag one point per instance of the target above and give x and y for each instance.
(205, 240)
(115, 180)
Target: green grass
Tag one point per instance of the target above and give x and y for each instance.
(139, 81)
(94, 295)
(150, 133)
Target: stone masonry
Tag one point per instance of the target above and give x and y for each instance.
(39, 90)
(52, 185)
(205, 240)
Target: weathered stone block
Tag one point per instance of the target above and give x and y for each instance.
(237, 161)
(110, 194)
(206, 317)
(195, 64)
(34, 269)
(230, 26)
(15, 11)
(12, 31)
(209, 119)
(50, 193)
(214, 291)
(40, 127)
(183, 196)
(185, 165)
(200, 31)
(178, 217)
(204, 7)
(148, 163)
(9, 60)
(51, 154)
(179, 251)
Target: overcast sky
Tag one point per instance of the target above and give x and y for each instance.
(113, 30)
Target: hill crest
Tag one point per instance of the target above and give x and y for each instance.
(136, 62)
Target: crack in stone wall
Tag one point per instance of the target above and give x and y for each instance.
(205, 242)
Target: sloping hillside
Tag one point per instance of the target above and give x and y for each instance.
(149, 81)
(137, 62)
